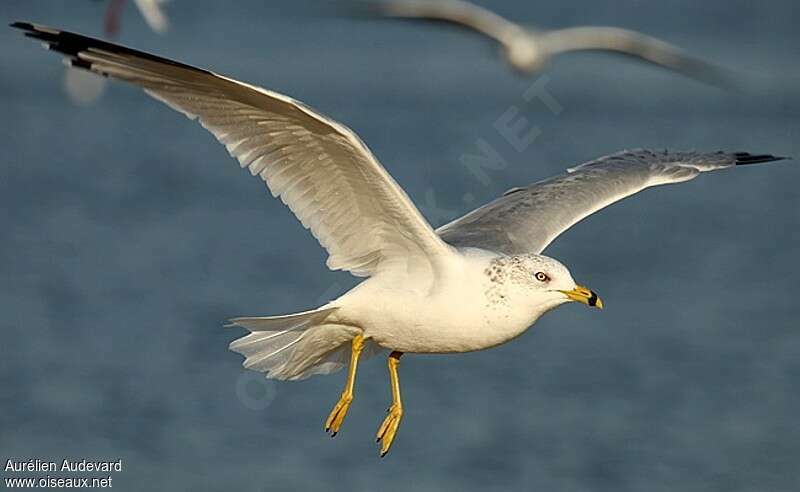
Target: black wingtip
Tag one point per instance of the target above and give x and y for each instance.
(745, 158)
(72, 45)
(31, 27)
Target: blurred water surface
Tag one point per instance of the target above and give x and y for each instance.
(129, 236)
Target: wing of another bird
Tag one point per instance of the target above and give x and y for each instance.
(320, 168)
(633, 44)
(526, 220)
(457, 12)
(153, 14)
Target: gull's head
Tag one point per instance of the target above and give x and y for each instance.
(543, 283)
(524, 53)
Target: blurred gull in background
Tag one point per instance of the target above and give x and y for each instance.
(151, 11)
(528, 50)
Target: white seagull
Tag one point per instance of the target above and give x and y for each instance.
(528, 51)
(475, 283)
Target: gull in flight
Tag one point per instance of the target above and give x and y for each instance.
(527, 51)
(473, 284)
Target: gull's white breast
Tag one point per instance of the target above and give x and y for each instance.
(467, 309)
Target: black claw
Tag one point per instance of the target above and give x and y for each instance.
(384, 453)
(333, 435)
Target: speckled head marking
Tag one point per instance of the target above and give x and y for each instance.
(530, 269)
(534, 280)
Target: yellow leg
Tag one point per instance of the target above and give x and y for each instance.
(388, 428)
(337, 415)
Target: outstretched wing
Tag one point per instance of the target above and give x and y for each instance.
(455, 12)
(636, 45)
(319, 168)
(526, 220)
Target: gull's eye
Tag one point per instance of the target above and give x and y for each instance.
(542, 277)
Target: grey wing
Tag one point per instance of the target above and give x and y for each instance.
(526, 220)
(320, 169)
(455, 12)
(637, 45)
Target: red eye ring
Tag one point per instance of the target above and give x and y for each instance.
(542, 277)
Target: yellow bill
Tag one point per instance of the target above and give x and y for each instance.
(584, 295)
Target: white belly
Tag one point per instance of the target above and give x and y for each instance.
(459, 315)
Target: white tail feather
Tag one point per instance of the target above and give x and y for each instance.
(296, 346)
(283, 323)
